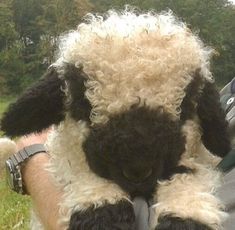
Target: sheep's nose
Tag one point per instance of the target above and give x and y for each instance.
(137, 176)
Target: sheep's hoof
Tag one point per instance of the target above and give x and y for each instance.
(119, 216)
(176, 223)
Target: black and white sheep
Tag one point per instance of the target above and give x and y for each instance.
(136, 113)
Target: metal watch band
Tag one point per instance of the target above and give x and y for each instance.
(14, 164)
(27, 152)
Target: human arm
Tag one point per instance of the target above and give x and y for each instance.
(37, 181)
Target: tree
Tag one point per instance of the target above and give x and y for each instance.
(8, 33)
(58, 17)
(10, 51)
(29, 30)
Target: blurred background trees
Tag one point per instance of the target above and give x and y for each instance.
(29, 30)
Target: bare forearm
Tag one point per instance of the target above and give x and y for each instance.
(45, 196)
(38, 183)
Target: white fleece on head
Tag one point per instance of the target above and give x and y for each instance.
(147, 59)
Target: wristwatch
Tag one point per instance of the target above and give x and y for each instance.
(15, 163)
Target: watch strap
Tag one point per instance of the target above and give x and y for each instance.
(26, 153)
(15, 163)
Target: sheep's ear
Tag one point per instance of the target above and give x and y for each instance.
(78, 105)
(212, 119)
(38, 108)
(211, 116)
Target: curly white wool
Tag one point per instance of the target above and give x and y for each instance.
(129, 58)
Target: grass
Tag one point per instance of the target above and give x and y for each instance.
(14, 208)
(4, 102)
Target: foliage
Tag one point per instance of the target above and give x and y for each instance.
(8, 49)
(7, 30)
(29, 30)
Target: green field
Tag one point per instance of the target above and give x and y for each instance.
(3, 105)
(14, 208)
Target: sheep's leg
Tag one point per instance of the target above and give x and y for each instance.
(88, 200)
(188, 202)
(91, 202)
(176, 223)
(119, 216)
(96, 203)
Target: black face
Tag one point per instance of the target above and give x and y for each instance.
(135, 149)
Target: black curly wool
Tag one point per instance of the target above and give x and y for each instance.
(43, 104)
(135, 148)
(177, 170)
(38, 108)
(212, 120)
(211, 116)
(176, 223)
(79, 106)
(119, 216)
(192, 94)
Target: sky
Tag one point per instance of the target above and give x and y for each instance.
(233, 1)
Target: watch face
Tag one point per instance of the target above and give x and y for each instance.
(9, 174)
